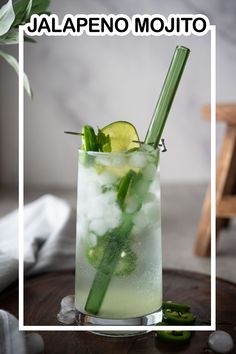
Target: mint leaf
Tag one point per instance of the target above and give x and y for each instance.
(104, 141)
(7, 17)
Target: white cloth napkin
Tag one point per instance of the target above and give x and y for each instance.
(47, 245)
(11, 339)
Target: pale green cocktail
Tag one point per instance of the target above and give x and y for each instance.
(119, 199)
(118, 255)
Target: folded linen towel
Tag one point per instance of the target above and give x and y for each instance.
(13, 341)
(48, 239)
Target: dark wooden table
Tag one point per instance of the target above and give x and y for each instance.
(44, 292)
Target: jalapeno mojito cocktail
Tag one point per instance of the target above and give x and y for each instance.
(118, 248)
(118, 263)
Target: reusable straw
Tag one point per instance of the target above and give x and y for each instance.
(167, 95)
(119, 236)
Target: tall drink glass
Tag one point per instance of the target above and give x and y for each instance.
(118, 246)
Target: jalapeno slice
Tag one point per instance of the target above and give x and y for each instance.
(177, 317)
(174, 306)
(89, 139)
(175, 314)
(174, 337)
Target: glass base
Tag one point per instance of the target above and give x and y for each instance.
(147, 320)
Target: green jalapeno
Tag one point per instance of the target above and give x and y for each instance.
(174, 337)
(89, 143)
(174, 306)
(175, 314)
(177, 317)
(89, 139)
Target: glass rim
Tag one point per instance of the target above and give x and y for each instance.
(126, 153)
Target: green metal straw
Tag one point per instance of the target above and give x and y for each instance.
(167, 95)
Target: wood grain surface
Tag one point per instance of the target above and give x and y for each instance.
(44, 292)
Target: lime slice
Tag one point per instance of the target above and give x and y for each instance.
(123, 136)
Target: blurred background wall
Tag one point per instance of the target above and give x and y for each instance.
(102, 79)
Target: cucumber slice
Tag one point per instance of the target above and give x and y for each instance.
(127, 262)
(127, 258)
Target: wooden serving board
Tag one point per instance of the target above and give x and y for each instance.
(43, 294)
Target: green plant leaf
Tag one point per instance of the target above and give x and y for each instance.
(22, 9)
(28, 10)
(14, 64)
(46, 13)
(11, 37)
(39, 6)
(7, 17)
(29, 39)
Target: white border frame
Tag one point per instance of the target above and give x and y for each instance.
(22, 327)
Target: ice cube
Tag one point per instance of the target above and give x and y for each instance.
(82, 227)
(92, 239)
(140, 220)
(98, 226)
(149, 171)
(101, 211)
(138, 159)
(220, 342)
(118, 159)
(68, 303)
(141, 187)
(107, 178)
(155, 187)
(104, 160)
(34, 343)
(68, 318)
(109, 198)
(132, 204)
(93, 189)
(153, 212)
(67, 311)
(149, 197)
